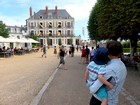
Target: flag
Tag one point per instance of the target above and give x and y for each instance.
(83, 31)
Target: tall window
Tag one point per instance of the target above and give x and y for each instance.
(68, 25)
(59, 25)
(50, 32)
(40, 25)
(31, 25)
(41, 17)
(50, 25)
(68, 32)
(59, 32)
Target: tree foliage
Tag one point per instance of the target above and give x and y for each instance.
(33, 36)
(113, 19)
(3, 30)
(60, 42)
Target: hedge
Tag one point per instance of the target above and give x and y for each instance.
(127, 50)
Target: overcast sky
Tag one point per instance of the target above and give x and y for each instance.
(15, 12)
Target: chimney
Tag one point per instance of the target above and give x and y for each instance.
(30, 11)
(56, 11)
(46, 10)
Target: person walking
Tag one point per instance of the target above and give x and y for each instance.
(77, 48)
(87, 54)
(44, 51)
(61, 56)
(55, 50)
(83, 55)
(92, 53)
(72, 50)
(114, 69)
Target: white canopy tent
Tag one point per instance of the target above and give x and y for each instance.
(23, 40)
(15, 42)
(2, 39)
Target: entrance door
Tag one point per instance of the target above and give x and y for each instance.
(41, 42)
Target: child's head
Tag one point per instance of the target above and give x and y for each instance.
(101, 56)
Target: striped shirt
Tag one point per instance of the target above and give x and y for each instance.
(117, 70)
(94, 71)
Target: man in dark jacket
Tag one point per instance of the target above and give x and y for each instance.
(72, 50)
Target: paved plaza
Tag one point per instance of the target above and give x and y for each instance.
(22, 77)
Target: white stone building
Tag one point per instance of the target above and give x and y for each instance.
(16, 32)
(52, 26)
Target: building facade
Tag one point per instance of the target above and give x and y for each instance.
(53, 27)
(17, 32)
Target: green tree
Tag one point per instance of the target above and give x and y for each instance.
(116, 19)
(60, 42)
(33, 36)
(71, 41)
(3, 30)
(48, 41)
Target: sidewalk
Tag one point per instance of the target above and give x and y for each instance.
(68, 86)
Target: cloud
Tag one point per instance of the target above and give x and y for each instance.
(82, 11)
(23, 2)
(14, 20)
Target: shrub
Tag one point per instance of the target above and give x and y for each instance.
(138, 44)
(126, 50)
(126, 44)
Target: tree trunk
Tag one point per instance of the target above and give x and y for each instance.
(133, 49)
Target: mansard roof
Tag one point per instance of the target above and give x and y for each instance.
(61, 14)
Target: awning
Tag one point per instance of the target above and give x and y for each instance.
(22, 40)
(2, 39)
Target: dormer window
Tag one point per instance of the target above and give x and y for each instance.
(49, 15)
(41, 17)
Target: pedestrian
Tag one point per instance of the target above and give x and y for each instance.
(44, 51)
(97, 69)
(87, 54)
(77, 48)
(83, 55)
(61, 56)
(72, 50)
(114, 69)
(92, 53)
(55, 50)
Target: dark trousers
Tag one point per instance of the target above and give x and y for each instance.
(72, 54)
(94, 101)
